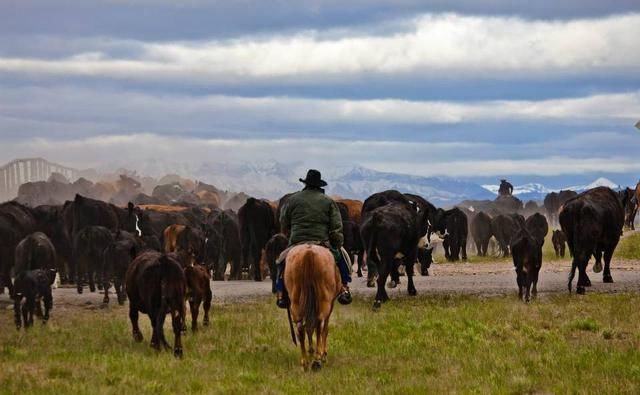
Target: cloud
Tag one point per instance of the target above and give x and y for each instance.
(426, 159)
(435, 46)
(40, 111)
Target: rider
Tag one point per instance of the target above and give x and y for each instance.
(313, 217)
(506, 189)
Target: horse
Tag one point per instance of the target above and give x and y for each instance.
(313, 283)
(156, 285)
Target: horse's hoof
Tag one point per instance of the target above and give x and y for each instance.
(580, 290)
(324, 358)
(205, 323)
(316, 366)
(607, 279)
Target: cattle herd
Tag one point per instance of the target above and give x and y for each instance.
(161, 256)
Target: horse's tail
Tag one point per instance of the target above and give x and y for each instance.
(308, 299)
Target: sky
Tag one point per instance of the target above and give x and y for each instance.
(542, 91)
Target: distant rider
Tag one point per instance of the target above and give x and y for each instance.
(506, 189)
(313, 217)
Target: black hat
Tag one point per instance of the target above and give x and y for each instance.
(314, 179)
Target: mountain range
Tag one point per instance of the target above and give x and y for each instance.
(273, 179)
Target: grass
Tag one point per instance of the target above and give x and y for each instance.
(628, 247)
(437, 344)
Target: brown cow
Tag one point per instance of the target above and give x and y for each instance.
(209, 198)
(354, 207)
(170, 238)
(198, 291)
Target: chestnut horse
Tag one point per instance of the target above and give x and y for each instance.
(313, 282)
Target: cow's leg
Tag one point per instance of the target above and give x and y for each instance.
(394, 274)
(478, 245)
(17, 299)
(47, 298)
(520, 281)
(28, 310)
(606, 274)
(78, 275)
(117, 284)
(194, 305)
(357, 257)
(257, 273)
(236, 266)
(534, 291)
(411, 289)
(177, 328)
(582, 277)
(572, 273)
(133, 317)
(463, 246)
(381, 295)
(92, 281)
(303, 352)
(207, 304)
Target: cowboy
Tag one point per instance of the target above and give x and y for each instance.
(312, 217)
(506, 189)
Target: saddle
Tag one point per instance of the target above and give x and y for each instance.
(345, 255)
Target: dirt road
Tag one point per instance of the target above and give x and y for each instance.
(493, 278)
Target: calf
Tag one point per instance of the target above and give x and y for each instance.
(198, 291)
(33, 286)
(425, 258)
(527, 259)
(453, 225)
(559, 239)
(592, 222)
(156, 285)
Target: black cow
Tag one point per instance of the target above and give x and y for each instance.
(381, 199)
(553, 203)
(34, 286)
(628, 199)
(222, 245)
(537, 225)
(156, 286)
(257, 225)
(55, 222)
(526, 250)
(391, 234)
(16, 222)
(503, 228)
(89, 245)
(283, 200)
(192, 240)
(353, 244)
(116, 259)
(35, 252)
(558, 239)
(592, 222)
(272, 251)
(481, 232)
(425, 259)
(452, 224)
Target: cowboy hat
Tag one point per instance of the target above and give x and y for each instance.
(313, 179)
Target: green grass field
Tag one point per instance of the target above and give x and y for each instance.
(435, 344)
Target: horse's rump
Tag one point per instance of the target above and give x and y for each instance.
(313, 282)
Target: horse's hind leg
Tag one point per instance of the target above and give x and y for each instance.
(303, 352)
(317, 356)
(325, 334)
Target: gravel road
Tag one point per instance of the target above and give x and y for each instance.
(483, 279)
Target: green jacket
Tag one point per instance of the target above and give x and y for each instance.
(310, 215)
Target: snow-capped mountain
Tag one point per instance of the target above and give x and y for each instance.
(535, 191)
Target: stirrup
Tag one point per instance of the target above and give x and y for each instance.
(345, 296)
(283, 301)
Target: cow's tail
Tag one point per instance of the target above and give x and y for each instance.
(308, 299)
